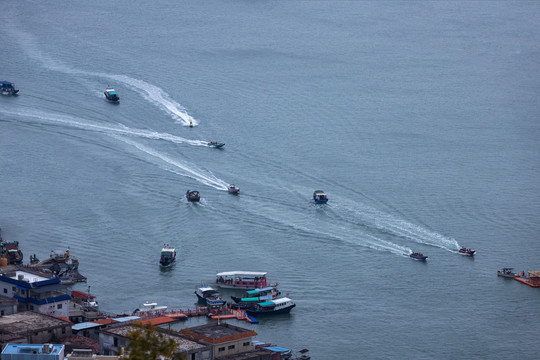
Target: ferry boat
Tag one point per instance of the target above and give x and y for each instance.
(278, 306)
(261, 294)
(111, 94)
(233, 189)
(193, 195)
(247, 280)
(8, 88)
(507, 273)
(320, 197)
(418, 256)
(168, 255)
(216, 144)
(467, 252)
(209, 296)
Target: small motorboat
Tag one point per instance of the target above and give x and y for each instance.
(209, 296)
(193, 195)
(466, 252)
(320, 197)
(111, 94)
(8, 88)
(168, 255)
(216, 144)
(418, 256)
(507, 273)
(233, 189)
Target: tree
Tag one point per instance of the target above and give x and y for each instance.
(147, 343)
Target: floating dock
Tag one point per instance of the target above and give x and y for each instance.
(532, 279)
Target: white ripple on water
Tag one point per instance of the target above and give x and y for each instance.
(148, 91)
(120, 129)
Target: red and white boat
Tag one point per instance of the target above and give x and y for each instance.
(467, 252)
(247, 280)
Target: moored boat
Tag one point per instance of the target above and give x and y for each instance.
(111, 94)
(8, 88)
(150, 308)
(277, 306)
(261, 294)
(168, 256)
(320, 197)
(247, 280)
(233, 189)
(507, 273)
(209, 296)
(418, 256)
(216, 144)
(193, 195)
(467, 252)
(10, 251)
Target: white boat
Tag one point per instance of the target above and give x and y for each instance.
(233, 189)
(209, 296)
(151, 308)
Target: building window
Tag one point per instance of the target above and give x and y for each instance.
(2, 313)
(32, 307)
(13, 289)
(115, 341)
(221, 349)
(63, 330)
(5, 291)
(246, 343)
(59, 306)
(231, 347)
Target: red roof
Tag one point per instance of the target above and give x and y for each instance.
(81, 295)
(105, 321)
(65, 319)
(157, 321)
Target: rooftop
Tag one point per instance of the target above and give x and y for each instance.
(216, 333)
(12, 349)
(19, 323)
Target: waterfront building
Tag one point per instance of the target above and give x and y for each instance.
(36, 292)
(33, 352)
(33, 328)
(114, 338)
(227, 341)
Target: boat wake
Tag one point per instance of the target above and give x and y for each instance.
(150, 92)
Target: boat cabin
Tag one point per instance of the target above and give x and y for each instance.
(320, 197)
(8, 88)
(241, 279)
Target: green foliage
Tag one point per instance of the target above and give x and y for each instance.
(148, 344)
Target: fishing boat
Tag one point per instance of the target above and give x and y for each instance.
(168, 255)
(111, 94)
(8, 88)
(10, 251)
(233, 189)
(467, 252)
(258, 295)
(209, 296)
(320, 197)
(193, 195)
(507, 273)
(216, 144)
(418, 256)
(247, 280)
(277, 306)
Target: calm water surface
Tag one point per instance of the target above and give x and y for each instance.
(418, 119)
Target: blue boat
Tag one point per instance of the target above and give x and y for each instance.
(209, 296)
(111, 94)
(8, 88)
(418, 256)
(320, 197)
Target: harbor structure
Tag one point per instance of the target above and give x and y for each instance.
(33, 351)
(36, 292)
(531, 278)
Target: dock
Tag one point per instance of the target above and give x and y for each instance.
(532, 278)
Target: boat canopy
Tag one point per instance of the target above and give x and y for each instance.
(241, 273)
(267, 303)
(206, 288)
(250, 299)
(281, 300)
(256, 291)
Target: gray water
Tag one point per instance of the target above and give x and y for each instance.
(418, 119)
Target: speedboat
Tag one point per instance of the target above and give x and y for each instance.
(278, 306)
(8, 88)
(111, 94)
(467, 252)
(507, 273)
(168, 255)
(418, 256)
(320, 197)
(216, 144)
(209, 296)
(233, 189)
(193, 195)
(151, 308)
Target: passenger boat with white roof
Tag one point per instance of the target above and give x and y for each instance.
(247, 280)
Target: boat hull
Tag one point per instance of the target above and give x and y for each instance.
(257, 312)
